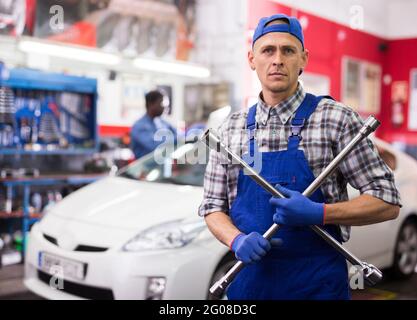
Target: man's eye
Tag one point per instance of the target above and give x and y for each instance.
(268, 50)
(288, 50)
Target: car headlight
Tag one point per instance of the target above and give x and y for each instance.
(174, 234)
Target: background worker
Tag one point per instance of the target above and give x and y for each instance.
(143, 131)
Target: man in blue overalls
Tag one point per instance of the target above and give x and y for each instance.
(293, 136)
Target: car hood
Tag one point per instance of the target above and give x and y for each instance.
(118, 202)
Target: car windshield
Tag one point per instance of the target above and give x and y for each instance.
(185, 166)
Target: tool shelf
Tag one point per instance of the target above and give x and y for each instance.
(46, 113)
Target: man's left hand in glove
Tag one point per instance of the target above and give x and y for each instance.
(296, 209)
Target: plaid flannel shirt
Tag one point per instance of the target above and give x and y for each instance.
(328, 130)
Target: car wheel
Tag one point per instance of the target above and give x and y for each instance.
(223, 267)
(405, 259)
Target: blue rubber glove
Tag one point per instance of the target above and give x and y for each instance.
(250, 248)
(296, 209)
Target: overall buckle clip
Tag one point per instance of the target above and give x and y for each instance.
(296, 126)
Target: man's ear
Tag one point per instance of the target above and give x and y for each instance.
(250, 59)
(304, 57)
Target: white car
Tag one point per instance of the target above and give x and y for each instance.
(137, 235)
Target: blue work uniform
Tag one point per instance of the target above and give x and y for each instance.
(143, 132)
(304, 266)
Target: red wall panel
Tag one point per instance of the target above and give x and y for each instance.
(113, 131)
(401, 58)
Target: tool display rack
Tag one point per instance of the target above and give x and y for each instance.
(32, 83)
(28, 80)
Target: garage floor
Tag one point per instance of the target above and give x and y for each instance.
(11, 287)
(11, 284)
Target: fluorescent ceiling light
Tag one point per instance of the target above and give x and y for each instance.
(177, 68)
(68, 52)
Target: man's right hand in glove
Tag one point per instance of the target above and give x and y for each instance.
(250, 248)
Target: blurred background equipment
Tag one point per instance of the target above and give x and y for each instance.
(154, 29)
(47, 112)
(12, 17)
(202, 99)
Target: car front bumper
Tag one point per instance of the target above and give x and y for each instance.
(115, 274)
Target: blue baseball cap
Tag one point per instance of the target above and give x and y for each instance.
(293, 27)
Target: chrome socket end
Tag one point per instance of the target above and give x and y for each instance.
(372, 274)
(218, 288)
(370, 125)
(211, 139)
(205, 136)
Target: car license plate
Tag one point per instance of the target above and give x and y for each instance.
(61, 267)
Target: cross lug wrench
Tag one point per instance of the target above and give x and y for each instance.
(372, 275)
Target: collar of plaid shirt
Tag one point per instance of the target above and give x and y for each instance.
(284, 110)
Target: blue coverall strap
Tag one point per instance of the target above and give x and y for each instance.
(251, 119)
(324, 97)
(302, 114)
(251, 126)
